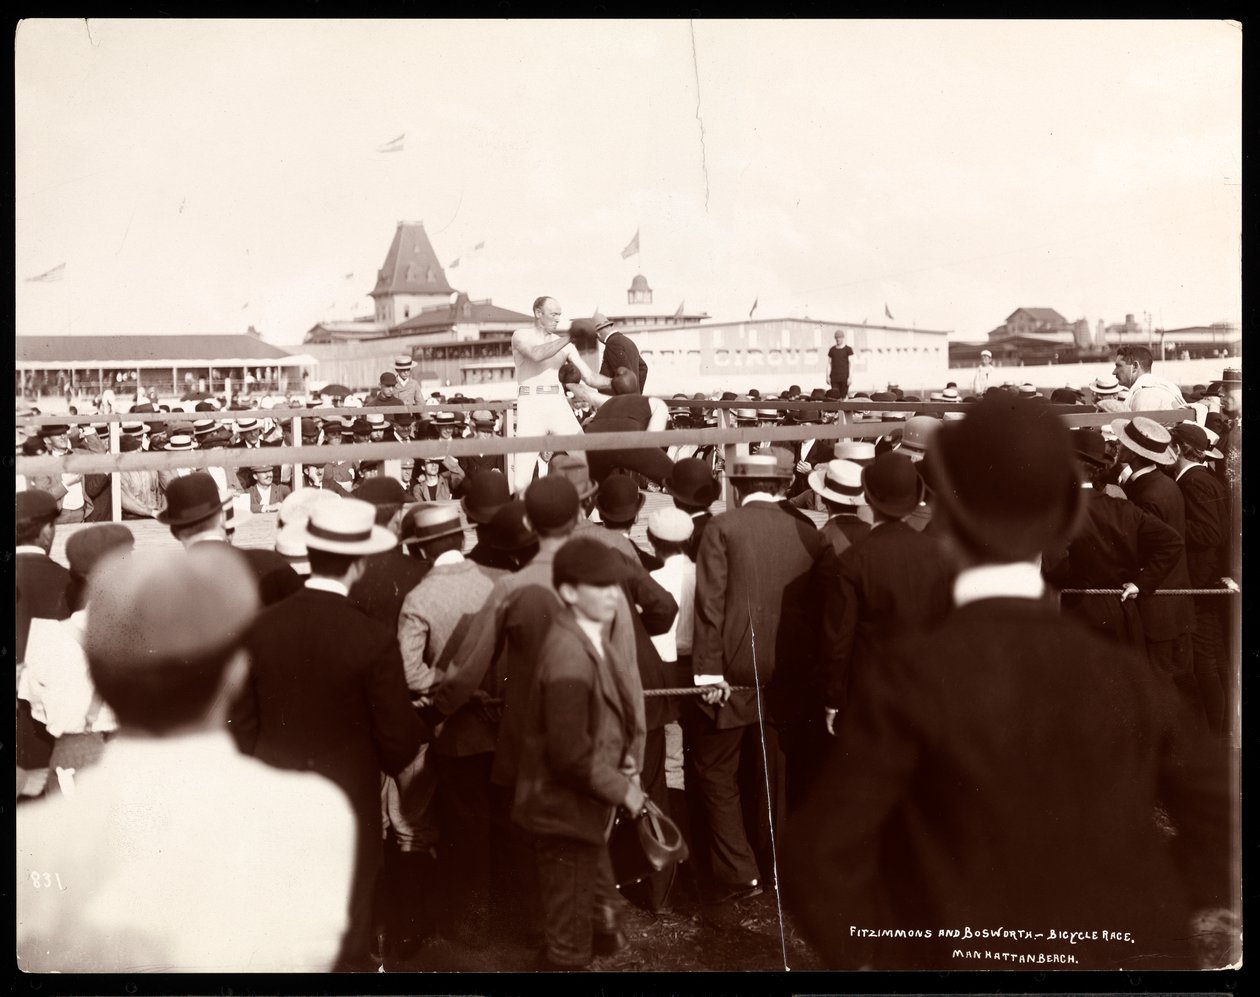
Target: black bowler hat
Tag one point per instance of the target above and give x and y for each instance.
(191, 499)
(691, 481)
(619, 499)
(34, 505)
(508, 531)
(54, 429)
(551, 502)
(587, 561)
(1090, 446)
(1005, 478)
(892, 485)
(486, 493)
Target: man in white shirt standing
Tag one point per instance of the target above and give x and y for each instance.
(984, 374)
(128, 873)
(539, 351)
(1147, 392)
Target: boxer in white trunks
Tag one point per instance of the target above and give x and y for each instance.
(542, 408)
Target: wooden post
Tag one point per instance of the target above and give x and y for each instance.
(509, 431)
(115, 479)
(729, 452)
(297, 442)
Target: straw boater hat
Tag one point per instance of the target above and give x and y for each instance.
(761, 465)
(180, 441)
(429, 520)
(859, 451)
(839, 481)
(403, 362)
(347, 527)
(1105, 384)
(291, 544)
(296, 507)
(1146, 438)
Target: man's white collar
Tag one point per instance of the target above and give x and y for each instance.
(1017, 580)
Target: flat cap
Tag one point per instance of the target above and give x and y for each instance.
(88, 546)
(671, 525)
(33, 505)
(587, 561)
(381, 490)
(162, 605)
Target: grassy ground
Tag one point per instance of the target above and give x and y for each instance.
(743, 936)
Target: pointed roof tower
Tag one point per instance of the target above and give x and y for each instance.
(411, 266)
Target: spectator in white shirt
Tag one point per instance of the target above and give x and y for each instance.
(1147, 392)
(131, 872)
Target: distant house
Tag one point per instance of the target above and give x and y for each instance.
(171, 364)
(1031, 321)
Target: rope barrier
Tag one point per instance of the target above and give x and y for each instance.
(1220, 591)
(694, 690)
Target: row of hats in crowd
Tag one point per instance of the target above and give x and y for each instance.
(184, 434)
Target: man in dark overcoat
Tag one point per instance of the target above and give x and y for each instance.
(755, 625)
(1002, 770)
(1168, 620)
(581, 736)
(327, 692)
(1207, 557)
(1119, 546)
(619, 351)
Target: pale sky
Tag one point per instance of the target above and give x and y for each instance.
(203, 176)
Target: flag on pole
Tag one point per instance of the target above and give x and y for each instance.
(452, 266)
(479, 246)
(348, 276)
(679, 313)
(394, 145)
(632, 248)
(887, 313)
(244, 306)
(753, 308)
(48, 276)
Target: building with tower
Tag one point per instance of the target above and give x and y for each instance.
(641, 311)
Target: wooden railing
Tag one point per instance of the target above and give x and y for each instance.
(725, 434)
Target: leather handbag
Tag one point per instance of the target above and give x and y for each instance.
(644, 845)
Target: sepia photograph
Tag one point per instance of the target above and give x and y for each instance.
(786, 516)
